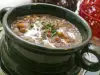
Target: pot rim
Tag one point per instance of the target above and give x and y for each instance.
(8, 29)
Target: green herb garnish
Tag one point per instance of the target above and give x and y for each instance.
(50, 27)
(54, 32)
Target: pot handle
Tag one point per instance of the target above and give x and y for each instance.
(3, 11)
(89, 57)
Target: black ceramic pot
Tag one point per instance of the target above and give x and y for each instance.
(21, 57)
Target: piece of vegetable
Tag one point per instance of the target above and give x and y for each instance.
(28, 16)
(54, 32)
(48, 34)
(20, 25)
(57, 39)
(23, 30)
(60, 34)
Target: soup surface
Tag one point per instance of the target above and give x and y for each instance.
(46, 30)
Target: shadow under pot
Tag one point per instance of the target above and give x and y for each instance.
(21, 57)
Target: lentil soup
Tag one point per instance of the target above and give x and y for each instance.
(47, 30)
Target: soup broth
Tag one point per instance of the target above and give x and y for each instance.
(47, 30)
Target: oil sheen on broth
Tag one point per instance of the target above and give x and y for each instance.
(46, 30)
